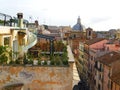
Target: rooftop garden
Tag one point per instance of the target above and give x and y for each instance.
(38, 55)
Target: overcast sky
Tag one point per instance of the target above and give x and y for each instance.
(97, 14)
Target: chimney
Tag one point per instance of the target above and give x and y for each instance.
(20, 19)
(36, 23)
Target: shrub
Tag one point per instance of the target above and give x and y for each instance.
(65, 49)
(65, 62)
(39, 62)
(57, 62)
(52, 62)
(17, 62)
(25, 61)
(45, 62)
(11, 62)
(30, 62)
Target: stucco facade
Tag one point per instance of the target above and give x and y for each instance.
(36, 77)
(17, 39)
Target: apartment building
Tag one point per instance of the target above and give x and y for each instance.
(80, 62)
(115, 81)
(92, 49)
(106, 66)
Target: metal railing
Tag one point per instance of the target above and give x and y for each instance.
(8, 20)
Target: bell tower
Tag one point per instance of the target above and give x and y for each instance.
(89, 33)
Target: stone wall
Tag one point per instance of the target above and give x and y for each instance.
(37, 77)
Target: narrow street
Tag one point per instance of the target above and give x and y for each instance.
(76, 78)
(77, 83)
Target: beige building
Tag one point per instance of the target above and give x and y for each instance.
(19, 39)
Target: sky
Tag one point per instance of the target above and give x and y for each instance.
(101, 15)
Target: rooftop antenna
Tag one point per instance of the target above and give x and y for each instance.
(30, 18)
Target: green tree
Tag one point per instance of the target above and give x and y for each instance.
(65, 58)
(4, 54)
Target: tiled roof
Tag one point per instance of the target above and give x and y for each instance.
(113, 41)
(116, 78)
(53, 31)
(109, 58)
(95, 40)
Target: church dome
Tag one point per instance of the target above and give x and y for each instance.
(78, 26)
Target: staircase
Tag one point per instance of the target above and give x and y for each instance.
(32, 40)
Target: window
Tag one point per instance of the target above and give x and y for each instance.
(7, 41)
(101, 69)
(99, 87)
(99, 76)
(111, 85)
(94, 81)
(89, 33)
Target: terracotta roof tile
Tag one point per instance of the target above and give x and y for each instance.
(109, 58)
(116, 78)
(95, 40)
